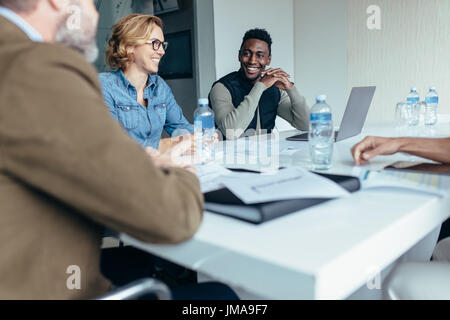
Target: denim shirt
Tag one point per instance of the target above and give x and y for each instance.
(144, 124)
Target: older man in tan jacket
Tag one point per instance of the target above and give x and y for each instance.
(66, 167)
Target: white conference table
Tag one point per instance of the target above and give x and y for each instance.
(341, 249)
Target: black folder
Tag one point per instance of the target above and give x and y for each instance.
(224, 202)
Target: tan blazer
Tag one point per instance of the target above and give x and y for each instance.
(66, 170)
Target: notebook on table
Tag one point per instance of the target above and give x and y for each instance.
(224, 202)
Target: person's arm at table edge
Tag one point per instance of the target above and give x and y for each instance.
(294, 109)
(227, 116)
(436, 149)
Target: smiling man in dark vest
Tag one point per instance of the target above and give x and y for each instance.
(249, 100)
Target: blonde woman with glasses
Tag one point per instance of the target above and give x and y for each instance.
(137, 98)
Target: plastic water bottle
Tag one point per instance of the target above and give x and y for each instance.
(321, 134)
(204, 130)
(413, 97)
(413, 108)
(430, 113)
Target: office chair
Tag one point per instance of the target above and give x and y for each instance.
(138, 289)
(421, 280)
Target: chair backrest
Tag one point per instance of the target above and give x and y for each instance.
(140, 288)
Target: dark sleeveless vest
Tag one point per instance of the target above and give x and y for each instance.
(239, 87)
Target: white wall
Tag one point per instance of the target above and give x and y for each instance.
(411, 49)
(232, 18)
(321, 51)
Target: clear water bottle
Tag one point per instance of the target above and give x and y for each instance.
(430, 112)
(321, 134)
(204, 130)
(413, 97)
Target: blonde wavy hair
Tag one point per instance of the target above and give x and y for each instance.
(130, 31)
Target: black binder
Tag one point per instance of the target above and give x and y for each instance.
(224, 202)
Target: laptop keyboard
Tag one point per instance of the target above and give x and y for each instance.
(304, 137)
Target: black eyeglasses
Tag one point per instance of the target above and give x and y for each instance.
(157, 44)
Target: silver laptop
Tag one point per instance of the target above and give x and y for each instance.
(354, 117)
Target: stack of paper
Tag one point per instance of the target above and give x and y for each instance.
(291, 183)
(419, 181)
(210, 175)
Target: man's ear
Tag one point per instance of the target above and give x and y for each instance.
(269, 60)
(58, 5)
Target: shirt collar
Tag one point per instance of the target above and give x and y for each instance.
(22, 24)
(126, 83)
(151, 80)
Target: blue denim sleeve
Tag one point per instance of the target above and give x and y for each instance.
(176, 124)
(107, 97)
(109, 102)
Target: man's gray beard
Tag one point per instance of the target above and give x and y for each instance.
(79, 39)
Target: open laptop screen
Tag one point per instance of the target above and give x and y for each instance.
(354, 116)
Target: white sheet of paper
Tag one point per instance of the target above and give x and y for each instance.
(210, 175)
(290, 183)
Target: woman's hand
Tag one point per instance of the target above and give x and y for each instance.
(168, 143)
(172, 157)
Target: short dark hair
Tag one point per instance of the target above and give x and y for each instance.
(260, 34)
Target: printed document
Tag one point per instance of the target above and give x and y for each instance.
(290, 183)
